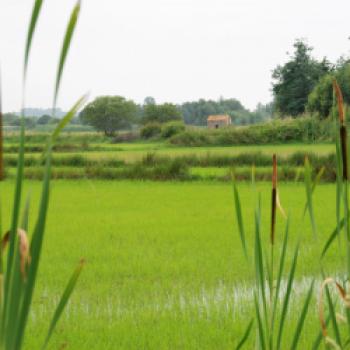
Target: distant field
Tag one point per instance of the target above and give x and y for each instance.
(165, 268)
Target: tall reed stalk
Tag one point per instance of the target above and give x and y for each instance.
(18, 276)
(269, 274)
(336, 337)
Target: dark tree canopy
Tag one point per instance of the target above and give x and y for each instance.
(197, 112)
(294, 81)
(44, 119)
(161, 113)
(109, 114)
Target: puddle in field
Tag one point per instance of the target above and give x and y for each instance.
(233, 300)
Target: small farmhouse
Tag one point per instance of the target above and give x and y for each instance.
(218, 121)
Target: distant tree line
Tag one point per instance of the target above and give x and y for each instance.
(30, 122)
(112, 113)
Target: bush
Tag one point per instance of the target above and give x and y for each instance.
(172, 128)
(280, 131)
(150, 130)
(126, 137)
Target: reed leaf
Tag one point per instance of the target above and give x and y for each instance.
(261, 337)
(68, 117)
(65, 47)
(63, 301)
(287, 297)
(245, 335)
(280, 271)
(239, 217)
(332, 237)
(308, 189)
(302, 318)
(32, 25)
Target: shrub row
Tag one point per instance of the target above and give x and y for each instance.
(208, 160)
(243, 159)
(278, 131)
(73, 161)
(174, 170)
(165, 131)
(67, 137)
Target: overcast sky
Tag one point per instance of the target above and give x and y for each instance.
(173, 50)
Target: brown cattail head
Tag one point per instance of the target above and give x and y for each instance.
(274, 198)
(340, 101)
(274, 171)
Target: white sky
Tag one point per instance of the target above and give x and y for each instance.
(173, 50)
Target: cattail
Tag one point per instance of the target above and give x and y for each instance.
(342, 129)
(274, 198)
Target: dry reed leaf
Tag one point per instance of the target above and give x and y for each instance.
(340, 318)
(342, 293)
(331, 342)
(23, 248)
(279, 206)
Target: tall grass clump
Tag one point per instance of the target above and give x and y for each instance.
(268, 266)
(20, 255)
(337, 334)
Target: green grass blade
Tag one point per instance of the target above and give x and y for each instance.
(65, 47)
(332, 237)
(35, 253)
(319, 338)
(68, 117)
(287, 297)
(309, 203)
(302, 318)
(239, 218)
(261, 337)
(63, 301)
(333, 316)
(259, 262)
(11, 257)
(280, 271)
(315, 183)
(25, 215)
(31, 29)
(246, 335)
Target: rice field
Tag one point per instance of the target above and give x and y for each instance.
(165, 268)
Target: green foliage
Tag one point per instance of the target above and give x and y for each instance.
(321, 98)
(150, 130)
(109, 114)
(294, 81)
(172, 128)
(278, 131)
(44, 119)
(160, 113)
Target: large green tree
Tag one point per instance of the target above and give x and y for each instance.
(321, 98)
(161, 113)
(294, 81)
(109, 114)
